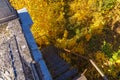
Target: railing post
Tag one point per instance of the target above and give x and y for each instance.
(101, 73)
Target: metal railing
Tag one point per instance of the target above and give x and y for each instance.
(77, 58)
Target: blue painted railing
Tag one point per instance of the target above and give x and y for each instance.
(26, 23)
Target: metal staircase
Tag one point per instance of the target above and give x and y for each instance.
(58, 67)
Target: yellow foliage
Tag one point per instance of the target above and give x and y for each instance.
(73, 25)
(100, 57)
(88, 37)
(118, 61)
(65, 34)
(118, 1)
(79, 48)
(98, 22)
(45, 16)
(81, 9)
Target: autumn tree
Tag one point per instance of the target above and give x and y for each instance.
(88, 27)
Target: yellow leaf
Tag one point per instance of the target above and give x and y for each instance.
(118, 61)
(88, 36)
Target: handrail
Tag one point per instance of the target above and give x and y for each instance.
(100, 72)
(89, 60)
(40, 65)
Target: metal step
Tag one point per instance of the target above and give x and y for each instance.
(68, 74)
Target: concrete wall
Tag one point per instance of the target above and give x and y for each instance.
(26, 23)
